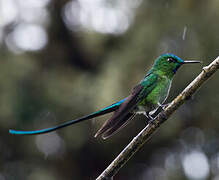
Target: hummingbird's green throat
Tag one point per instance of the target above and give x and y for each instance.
(145, 98)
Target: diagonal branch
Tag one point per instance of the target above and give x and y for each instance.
(149, 130)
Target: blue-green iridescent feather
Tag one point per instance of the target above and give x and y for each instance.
(103, 111)
(150, 93)
(129, 107)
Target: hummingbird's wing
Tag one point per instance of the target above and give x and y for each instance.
(103, 111)
(125, 112)
(119, 126)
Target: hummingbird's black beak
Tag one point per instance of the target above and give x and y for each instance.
(188, 62)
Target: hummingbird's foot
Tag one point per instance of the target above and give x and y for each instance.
(163, 106)
(149, 117)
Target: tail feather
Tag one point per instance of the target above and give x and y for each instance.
(122, 114)
(103, 111)
(113, 130)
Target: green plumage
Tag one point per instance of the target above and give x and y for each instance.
(156, 92)
(158, 82)
(145, 98)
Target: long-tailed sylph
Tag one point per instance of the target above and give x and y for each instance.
(146, 97)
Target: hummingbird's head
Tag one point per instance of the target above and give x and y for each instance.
(168, 64)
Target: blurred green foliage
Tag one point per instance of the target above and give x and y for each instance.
(81, 71)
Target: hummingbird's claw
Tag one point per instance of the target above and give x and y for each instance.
(148, 116)
(163, 106)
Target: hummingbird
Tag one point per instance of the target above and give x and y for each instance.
(145, 98)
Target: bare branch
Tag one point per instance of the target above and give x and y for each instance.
(149, 130)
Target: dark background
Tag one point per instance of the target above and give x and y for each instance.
(64, 59)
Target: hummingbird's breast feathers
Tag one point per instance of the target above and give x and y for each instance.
(158, 94)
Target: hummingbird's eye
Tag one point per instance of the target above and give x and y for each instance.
(171, 60)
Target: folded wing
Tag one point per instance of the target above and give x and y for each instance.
(125, 112)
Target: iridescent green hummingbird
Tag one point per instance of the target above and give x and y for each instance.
(145, 98)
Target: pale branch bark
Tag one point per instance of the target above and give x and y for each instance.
(149, 130)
